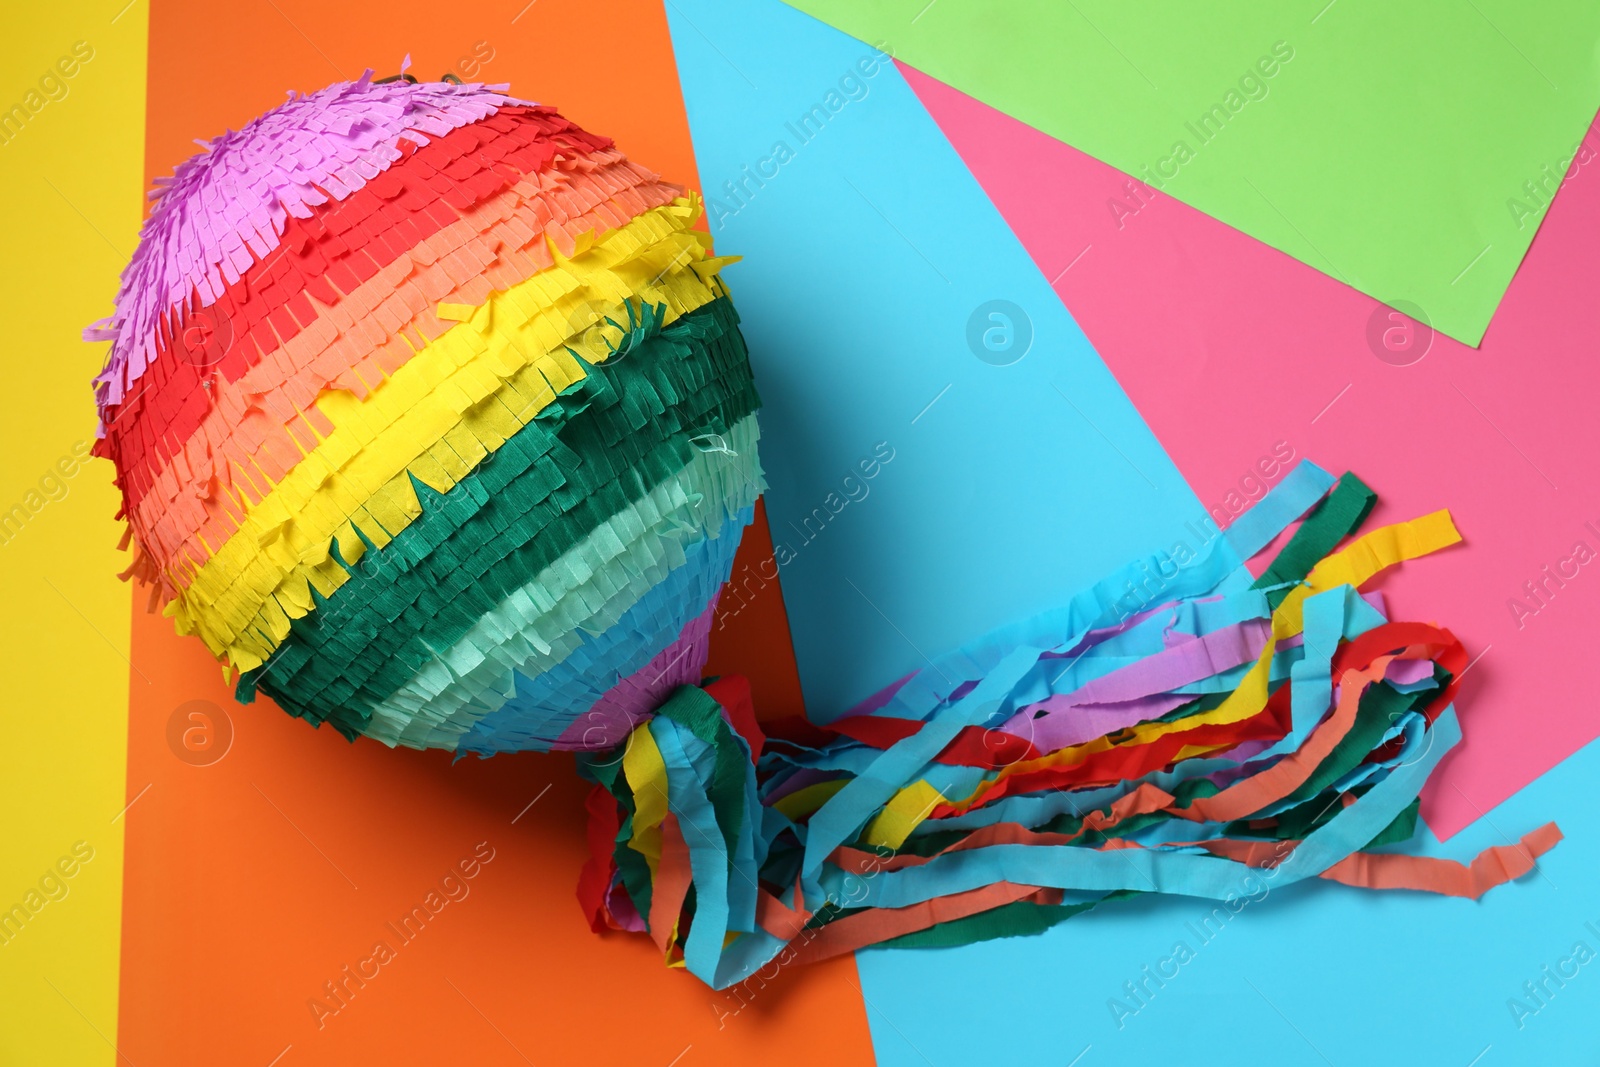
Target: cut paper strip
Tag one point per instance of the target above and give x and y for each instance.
(1285, 124)
(1179, 304)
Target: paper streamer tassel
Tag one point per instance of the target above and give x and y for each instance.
(1173, 729)
(409, 395)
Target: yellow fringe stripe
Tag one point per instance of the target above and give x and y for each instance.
(458, 399)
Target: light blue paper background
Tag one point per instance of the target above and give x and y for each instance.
(866, 255)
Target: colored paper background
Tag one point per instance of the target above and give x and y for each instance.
(72, 210)
(1217, 339)
(1384, 153)
(867, 257)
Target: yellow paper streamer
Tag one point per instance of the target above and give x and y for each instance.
(900, 816)
(803, 802)
(646, 773)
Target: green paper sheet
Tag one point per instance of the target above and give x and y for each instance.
(1409, 150)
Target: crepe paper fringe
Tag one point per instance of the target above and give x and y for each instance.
(408, 392)
(240, 401)
(343, 255)
(635, 698)
(1280, 732)
(450, 405)
(612, 682)
(227, 207)
(626, 427)
(585, 592)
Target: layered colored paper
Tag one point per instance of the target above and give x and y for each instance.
(173, 892)
(1410, 152)
(1177, 304)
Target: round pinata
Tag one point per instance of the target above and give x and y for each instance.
(432, 418)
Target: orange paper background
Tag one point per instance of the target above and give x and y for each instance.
(252, 882)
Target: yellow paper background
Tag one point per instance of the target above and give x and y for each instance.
(71, 182)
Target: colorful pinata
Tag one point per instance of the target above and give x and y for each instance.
(433, 420)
